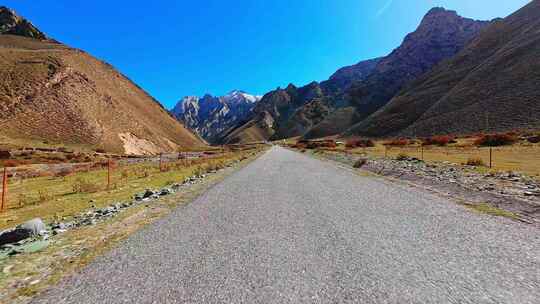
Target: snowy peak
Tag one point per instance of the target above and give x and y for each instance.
(209, 115)
(237, 96)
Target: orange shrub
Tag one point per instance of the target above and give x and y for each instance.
(11, 163)
(497, 139)
(319, 144)
(442, 140)
(398, 142)
(475, 161)
(359, 142)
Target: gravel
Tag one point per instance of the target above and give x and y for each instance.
(292, 229)
(511, 191)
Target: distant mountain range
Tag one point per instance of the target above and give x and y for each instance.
(55, 94)
(210, 116)
(354, 93)
(451, 75)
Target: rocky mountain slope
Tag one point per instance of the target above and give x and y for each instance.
(12, 24)
(292, 111)
(210, 116)
(440, 35)
(355, 92)
(492, 85)
(52, 93)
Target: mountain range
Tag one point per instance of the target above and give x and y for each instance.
(52, 93)
(492, 85)
(452, 75)
(354, 93)
(210, 116)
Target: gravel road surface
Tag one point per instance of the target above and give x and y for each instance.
(292, 229)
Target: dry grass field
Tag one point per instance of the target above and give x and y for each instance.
(54, 197)
(522, 157)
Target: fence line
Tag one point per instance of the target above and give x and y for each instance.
(523, 158)
(109, 167)
(4, 189)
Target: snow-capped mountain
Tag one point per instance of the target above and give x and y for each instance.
(209, 116)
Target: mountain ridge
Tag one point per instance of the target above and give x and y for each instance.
(13, 24)
(50, 92)
(490, 86)
(334, 105)
(210, 116)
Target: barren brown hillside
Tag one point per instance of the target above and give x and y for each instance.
(492, 85)
(257, 129)
(50, 92)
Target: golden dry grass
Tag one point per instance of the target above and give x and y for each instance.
(523, 158)
(56, 197)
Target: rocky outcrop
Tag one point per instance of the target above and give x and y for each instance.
(341, 80)
(12, 24)
(210, 116)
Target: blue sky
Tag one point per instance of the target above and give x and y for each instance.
(178, 48)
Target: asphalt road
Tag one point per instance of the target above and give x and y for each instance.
(292, 229)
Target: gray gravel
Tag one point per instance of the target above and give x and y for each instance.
(292, 229)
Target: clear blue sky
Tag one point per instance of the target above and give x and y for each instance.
(177, 48)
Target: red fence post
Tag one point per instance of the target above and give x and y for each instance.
(108, 174)
(4, 189)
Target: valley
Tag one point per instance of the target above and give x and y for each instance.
(411, 174)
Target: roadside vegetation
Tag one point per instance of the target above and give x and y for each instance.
(488, 209)
(66, 192)
(509, 151)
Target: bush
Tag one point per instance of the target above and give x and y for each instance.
(359, 142)
(475, 161)
(84, 186)
(199, 171)
(318, 144)
(124, 174)
(534, 139)
(24, 200)
(360, 163)
(299, 145)
(44, 196)
(402, 156)
(11, 163)
(498, 139)
(438, 140)
(398, 142)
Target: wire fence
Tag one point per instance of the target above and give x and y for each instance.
(35, 184)
(522, 158)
